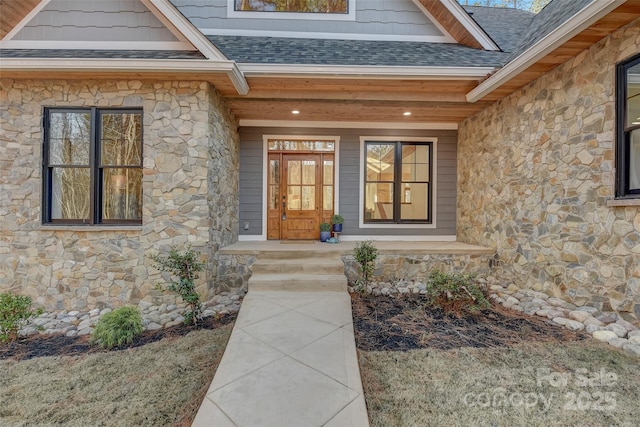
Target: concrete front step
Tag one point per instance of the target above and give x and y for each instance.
(298, 271)
(298, 282)
(309, 266)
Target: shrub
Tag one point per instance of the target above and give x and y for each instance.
(337, 219)
(116, 328)
(325, 226)
(365, 255)
(454, 292)
(185, 266)
(15, 312)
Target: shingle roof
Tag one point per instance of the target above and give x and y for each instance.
(106, 54)
(548, 19)
(506, 26)
(280, 50)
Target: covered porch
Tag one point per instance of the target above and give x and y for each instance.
(313, 266)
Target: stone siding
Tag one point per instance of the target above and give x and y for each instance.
(190, 193)
(535, 172)
(396, 268)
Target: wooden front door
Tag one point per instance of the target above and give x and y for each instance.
(300, 194)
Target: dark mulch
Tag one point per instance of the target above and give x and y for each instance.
(405, 323)
(41, 345)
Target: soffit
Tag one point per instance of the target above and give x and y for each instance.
(12, 12)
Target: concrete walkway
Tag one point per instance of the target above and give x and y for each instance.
(290, 361)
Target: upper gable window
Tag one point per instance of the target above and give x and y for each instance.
(628, 138)
(292, 9)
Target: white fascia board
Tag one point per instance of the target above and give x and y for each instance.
(324, 35)
(185, 27)
(349, 125)
(581, 20)
(468, 22)
(371, 71)
(133, 65)
(93, 45)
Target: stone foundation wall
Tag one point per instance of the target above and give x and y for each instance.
(189, 193)
(535, 171)
(394, 268)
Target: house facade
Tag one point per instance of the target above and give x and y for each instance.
(128, 127)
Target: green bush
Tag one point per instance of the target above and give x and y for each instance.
(365, 255)
(454, 292)
(185, 266)
(15, 312)
(116, 328)
(325, 226)
(337, 219)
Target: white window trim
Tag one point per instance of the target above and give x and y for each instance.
(351, 16)
(265, 177)
(434, 141)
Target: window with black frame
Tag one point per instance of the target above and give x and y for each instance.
(628, 137)
(92, 166)
(398, 182)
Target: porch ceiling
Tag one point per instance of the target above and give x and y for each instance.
(351, 99)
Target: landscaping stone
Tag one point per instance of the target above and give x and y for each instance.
(152, 318)
(590, 329)
(618, 342)
(619, 330)
(605, 336)
(579, 315)
(568, 323)
(632, 348)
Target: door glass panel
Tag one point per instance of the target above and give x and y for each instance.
(327, 197)
(274, 171)
(327, 173)
(274, 196)
(308, 197)
(294, 175)
(300, 145)
(70, 193)
(415, 199)
(293, 198)
(308, 172)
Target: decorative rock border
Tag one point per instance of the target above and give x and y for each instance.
(77, 323)
(608, 327)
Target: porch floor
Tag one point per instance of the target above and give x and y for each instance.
(346, 247)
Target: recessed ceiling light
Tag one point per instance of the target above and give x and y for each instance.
(406, 113)
(295, 112)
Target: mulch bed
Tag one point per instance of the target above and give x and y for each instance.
(41, 345)
(386, 323)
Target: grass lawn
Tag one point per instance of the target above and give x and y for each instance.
(158, 384)
(500, 368)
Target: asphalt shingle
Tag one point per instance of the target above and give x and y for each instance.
(506, 26)
(280, 50)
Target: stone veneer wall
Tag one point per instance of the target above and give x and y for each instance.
(189, 193)
(535, 171)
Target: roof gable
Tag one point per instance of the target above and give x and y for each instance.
(98, 24)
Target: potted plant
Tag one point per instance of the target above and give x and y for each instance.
(337, 221)
(325, 231)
